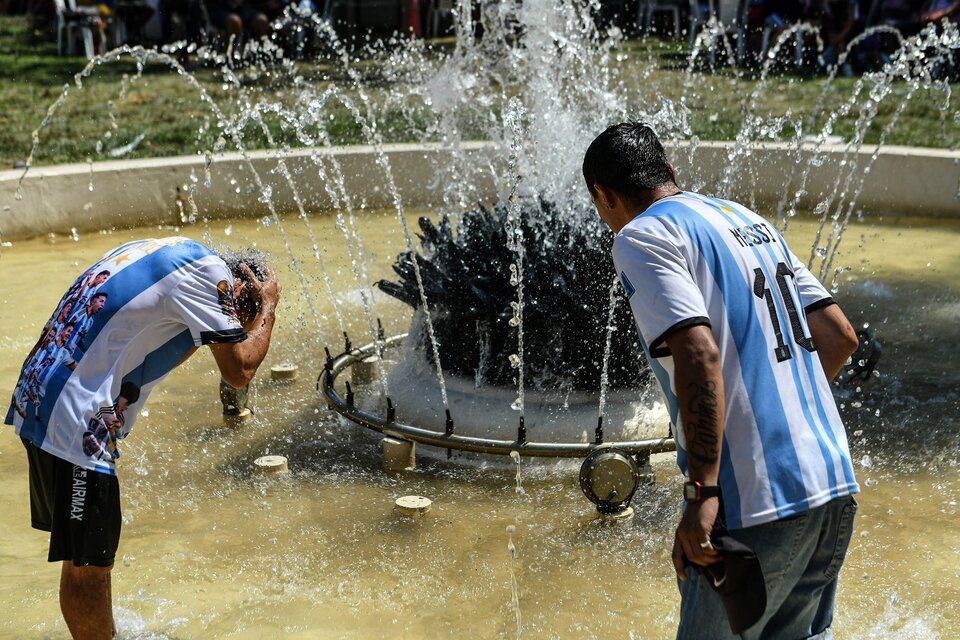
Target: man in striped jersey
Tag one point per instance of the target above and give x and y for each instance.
(744, 342)
(148, 309)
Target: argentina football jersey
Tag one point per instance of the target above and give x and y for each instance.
(729, 269)
(116, 333)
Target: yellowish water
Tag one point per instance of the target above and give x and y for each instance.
(211, 550)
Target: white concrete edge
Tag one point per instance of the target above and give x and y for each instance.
(107, 166)
(131, 193)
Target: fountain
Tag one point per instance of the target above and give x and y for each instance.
(212, 547)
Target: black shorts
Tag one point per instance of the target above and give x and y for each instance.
(80, 509)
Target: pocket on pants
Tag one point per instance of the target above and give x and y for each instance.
(776, 544)
(844, 535)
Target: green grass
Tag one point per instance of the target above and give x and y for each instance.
(175, 121)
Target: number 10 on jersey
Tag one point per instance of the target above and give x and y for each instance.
(761, 290)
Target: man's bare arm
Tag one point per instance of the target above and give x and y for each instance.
(238, 362)
(699, 385)
(833, 336)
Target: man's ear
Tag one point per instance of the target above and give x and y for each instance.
(605, 196)
(673, 172)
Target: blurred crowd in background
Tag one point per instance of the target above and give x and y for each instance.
(753, 26)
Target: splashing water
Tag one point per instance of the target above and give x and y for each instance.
(514, 586)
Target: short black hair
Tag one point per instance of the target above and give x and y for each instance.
(627, 158)
(105, 272)
(253, 258)
(130, 391)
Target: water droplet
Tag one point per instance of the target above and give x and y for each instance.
(266, 221)
(517, 404)
(228, 230)
(866, 462)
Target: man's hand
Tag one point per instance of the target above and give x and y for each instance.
(263, 293)
(238, 361)
(694, 530)
(698, 378)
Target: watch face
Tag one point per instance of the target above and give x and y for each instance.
(690, 492)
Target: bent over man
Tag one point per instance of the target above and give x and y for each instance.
(152, 304)
(744, 342)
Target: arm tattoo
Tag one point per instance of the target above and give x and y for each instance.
(703, 442)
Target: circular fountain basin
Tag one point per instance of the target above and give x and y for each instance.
(210, 549)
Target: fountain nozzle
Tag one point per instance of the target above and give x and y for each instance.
(608, 478)
(391, 410)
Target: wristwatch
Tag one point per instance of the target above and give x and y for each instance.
(695, 492)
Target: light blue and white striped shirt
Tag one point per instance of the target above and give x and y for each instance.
(162, 297)
(691, 259)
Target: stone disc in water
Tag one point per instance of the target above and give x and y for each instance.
(270, 464)
(284, 371)
(413, 505)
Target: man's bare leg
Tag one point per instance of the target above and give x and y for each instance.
(86, 601)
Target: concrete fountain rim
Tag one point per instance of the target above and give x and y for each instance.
(134, 193)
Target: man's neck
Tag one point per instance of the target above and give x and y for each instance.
(655, 195)
(617, 211)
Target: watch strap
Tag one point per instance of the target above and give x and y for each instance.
(695, 492)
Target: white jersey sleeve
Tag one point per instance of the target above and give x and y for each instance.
(813, 295)
(203, 299)
(651, 258)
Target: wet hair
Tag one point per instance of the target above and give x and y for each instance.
(627, 158)
(253, 258)
(130, 391)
